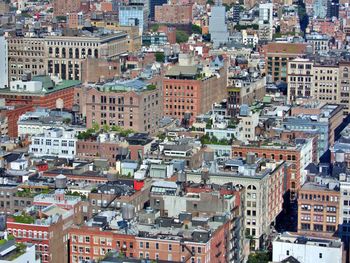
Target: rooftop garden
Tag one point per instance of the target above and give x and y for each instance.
(24, 219)
(151, 87)
(26, 192)
(74, 193)
(90, 133)
(206, 139)
(19, 251)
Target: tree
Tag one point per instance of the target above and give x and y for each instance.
(160, 57)
(181, 36)
(259, 257)
(95, 127)
(105, 128)
(196, 29)
(155, 27)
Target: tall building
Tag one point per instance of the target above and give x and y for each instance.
(320, 8)
(265, 22)
(333, 8)
(133, 15)
(217, 26)
(344, 213)
(4, 76)
(153, 4)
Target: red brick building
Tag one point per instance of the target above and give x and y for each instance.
(47, 97)
(188, 93)
(173, 14)
(12, 114)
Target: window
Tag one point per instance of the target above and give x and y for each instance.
(287, 252)
(147, 244)
(141, 244)
(320, 255)
(170, 247)
(157, 246)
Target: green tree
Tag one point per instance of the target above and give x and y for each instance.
(155, 27)
(105, 128)
(181, 36)
(160, 57)
(196, 29)
(259, 257)
(95, 127)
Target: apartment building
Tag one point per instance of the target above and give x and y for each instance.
(344, 86)
(189, 91)
(298, 153)
(277, 56)
(62, 7)
(66, 53)
(173, 14)
(26, 54)
(344, 208)
(10, 116)
(300, 79)
(54, 142)
(262, 180)
(131, 104)
(318, 209)
(12, 200)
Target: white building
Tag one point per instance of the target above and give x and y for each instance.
(265, 21)
(9, 252)
(55, 142)
(3, 63)
(249, 39)
(307, 249)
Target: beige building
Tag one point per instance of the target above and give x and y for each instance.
(300, 78)
(66, 53)
(26, 54)
(326, 83)
(344, 86)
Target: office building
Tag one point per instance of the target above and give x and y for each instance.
(134, 15)
(173, 14)
(265, 22)
(153, 4)
(332, 8)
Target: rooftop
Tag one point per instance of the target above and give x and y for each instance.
(308, 240)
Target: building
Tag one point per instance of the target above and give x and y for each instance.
(332, 8)
(306, 249)
(4, 75)
(300, 79)
(36, 122)
(318, 210)
(13, 200)
(173, 14)
(66, 53)
(54, 142)
(217, 26)
(10, 116)
(262, 180)
(265, 22)
(12, 252)
(47, 227)
(153, 4)
(131, 104)
(344, 83)
(277, 56)
(134, 15)
(40, 91)
(299, 153)
(344, 209)
(62, 7)
(26, 54)
(189, 91)
(320, 9)
(319, 42)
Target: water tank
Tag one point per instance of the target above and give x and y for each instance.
(61, 181)
(339, 157)
(208, 155)
(75, 108)
(182, 177)
(128, 212)
(250, 158)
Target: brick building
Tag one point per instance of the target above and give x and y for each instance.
(298, 153)
(318, 210)
(173, 14)
(132, 104)
(40, 91)
(11, 114)
(47, 226)
(277, 56)
(62, 7)
(188, 91)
